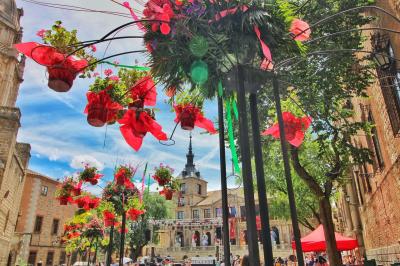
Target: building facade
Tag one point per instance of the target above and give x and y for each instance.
(369, 202)
(14, 156)
(197, 227)
(41, 221)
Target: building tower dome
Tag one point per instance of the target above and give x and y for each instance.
(190, 168)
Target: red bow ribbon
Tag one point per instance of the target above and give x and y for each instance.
(200, 120)
(294, 128)
(144, 92)
(266, 64)
(105, 100)
(134, 126)
(50, 57)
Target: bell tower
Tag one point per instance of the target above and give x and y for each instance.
(14, 156)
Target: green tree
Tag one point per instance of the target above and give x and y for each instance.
(307, 203)
(157, 208)
(322, 85)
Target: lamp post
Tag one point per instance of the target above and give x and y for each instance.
(288, 176)
(262, 193)
(224, 187)
(252, 235)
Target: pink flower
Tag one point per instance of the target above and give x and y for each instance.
(126, 4)
(300, 30)
(116, 62)
(114, 78)
(108, 72)
(95, 74)
(41, 33)
(93, 47)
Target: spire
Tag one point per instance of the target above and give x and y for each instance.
(190, 155)
(190, 168)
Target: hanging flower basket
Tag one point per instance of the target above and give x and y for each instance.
(108, 218)
(64, 200)
(90, 175)
(61, 79)
(81, 202)
(167, 192)
(188, 117)
(163, 174)
(101, 109)
(97, 115)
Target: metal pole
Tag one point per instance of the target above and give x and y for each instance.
(224, 186)
(292, 202)
(262, 193)
(122, 243)
(110, 246)
(252, 236)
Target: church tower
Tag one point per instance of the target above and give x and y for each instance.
(14, 156)
(193, 187)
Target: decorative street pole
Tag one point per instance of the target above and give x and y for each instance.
(224, 187)
(122, 243)
(252, 235)
(292, 202)
(262, 193)
(110, 246)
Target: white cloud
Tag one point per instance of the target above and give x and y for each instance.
(79, 161)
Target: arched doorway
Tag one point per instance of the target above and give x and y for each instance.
(209, 238)
(197, 238)
(179, 239)
(275, 235)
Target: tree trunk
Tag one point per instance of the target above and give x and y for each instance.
(329, 231)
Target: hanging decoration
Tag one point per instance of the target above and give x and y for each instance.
(190, 116)
(56, 54)
(136, 124)
(164, 177)
(295, 128)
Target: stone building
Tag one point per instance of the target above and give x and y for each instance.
(41, 222)
(369, 203)
(197, 227)
(14, 156)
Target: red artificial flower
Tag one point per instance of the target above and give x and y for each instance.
(133, 214)
(294, 128)
(62, 68)
(65, 200)
(300, 30)
(159, 10)
(167, 192)
(93, 48)
(122, 179)
(109, 218)
(135, 125)
(101, 108)
(41, 33)
(93, 203)
(83, 202)
(108, 72)
(144, 93)
(76, 191)
(190, 113)
(74, 235)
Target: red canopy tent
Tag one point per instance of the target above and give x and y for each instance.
(315, 241)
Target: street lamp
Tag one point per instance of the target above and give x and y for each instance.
(381, 54)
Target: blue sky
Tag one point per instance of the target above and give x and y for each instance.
(54, 123)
